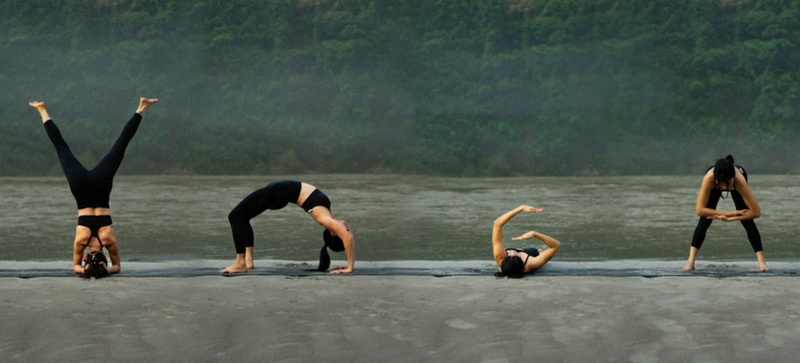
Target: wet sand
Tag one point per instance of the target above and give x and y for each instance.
(401, 318)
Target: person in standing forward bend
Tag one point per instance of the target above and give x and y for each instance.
(726, 176)
(92, 190)
(516, 262)
(277, 195)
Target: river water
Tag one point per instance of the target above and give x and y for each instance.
(398, 217)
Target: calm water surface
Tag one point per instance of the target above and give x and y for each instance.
(397, 217)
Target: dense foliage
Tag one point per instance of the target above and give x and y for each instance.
(451, 87)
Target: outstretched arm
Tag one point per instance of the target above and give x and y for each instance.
(497, 229)
(546, 255)
(343, 232)
(338, 228)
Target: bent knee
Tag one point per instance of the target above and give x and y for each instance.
(234, 216)
(240, 215)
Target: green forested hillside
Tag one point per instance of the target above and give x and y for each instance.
(450, 87)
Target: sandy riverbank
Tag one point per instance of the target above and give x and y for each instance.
(400, 318)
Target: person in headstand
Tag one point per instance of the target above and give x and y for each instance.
(276, 195)
(516, 262)
(92, 190)
(726, 176)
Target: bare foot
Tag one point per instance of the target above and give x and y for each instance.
(250, 264)
(763, 267)
(236, 268)
(38, 105)
(144, 103)
(689, 267)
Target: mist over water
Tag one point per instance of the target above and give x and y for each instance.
(395, 217)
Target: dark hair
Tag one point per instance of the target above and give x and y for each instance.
(334, 243)
(512, 266)
(94, 265)
(724, 169)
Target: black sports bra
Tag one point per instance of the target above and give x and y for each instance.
(531, 251)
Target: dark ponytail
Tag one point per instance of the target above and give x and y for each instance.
(334, 243)
(324, 259)
(724, 169)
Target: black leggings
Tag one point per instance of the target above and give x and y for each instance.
(274, 196)
(749, 225)
(92, 188)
